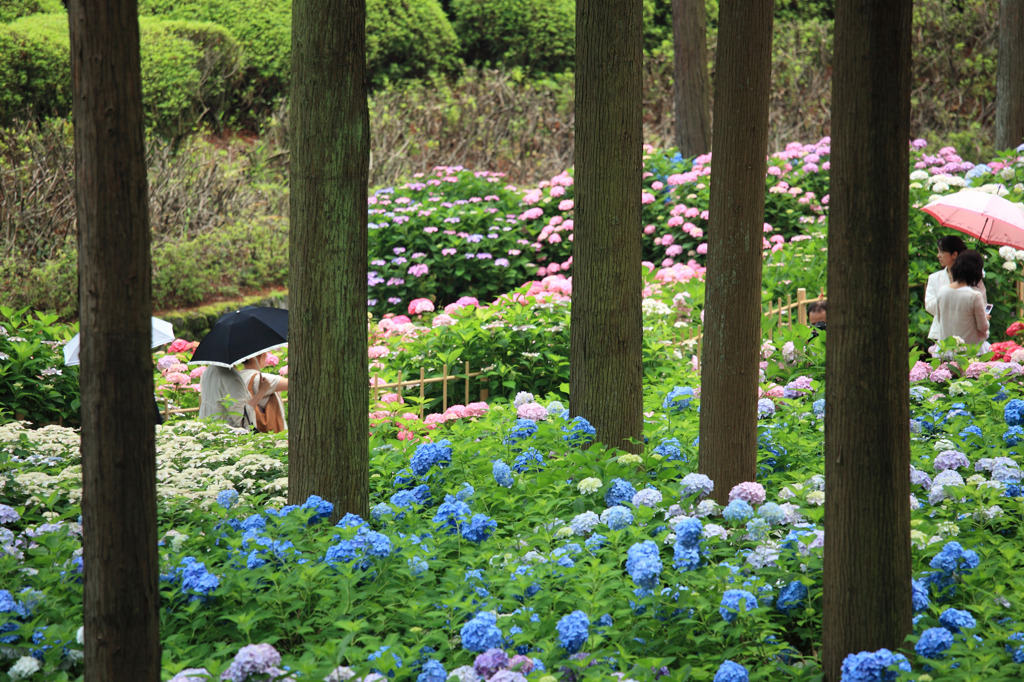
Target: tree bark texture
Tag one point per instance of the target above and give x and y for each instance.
(328, 366)
(606, 332)
(732, 309)
(122, 639)
(867, 435)
(1010, 76)
(690, 46)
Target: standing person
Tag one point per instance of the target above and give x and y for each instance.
(949, 247)
(264, 387)
(961, 307)
(223, 396)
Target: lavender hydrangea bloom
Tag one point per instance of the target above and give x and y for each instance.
(644, 564)
(730, 604)
(648, 497)
(620, 492)
(694, 484)
(481, 633)
(480, 528)
(573, 630)
(490, 662)
(934, 642)
(730, 671)
(253, 659)
(765, 408)
(428, 455)
(617, 517)
(502, 474)
(950, 459)
(957, 620)
(507, 676)
(584, 523)
(873, 666)
(918, 477)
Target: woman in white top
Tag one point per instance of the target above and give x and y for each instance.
(950, 247)
(961, 309)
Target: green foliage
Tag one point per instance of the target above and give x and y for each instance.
(537, 34)
(35, 385)
(409, 40)
(41, 67)
(13, 9)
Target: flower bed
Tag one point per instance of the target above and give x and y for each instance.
(499, 549)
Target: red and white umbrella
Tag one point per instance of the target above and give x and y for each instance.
(988, 217)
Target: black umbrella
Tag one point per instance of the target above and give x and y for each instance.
(242, 334)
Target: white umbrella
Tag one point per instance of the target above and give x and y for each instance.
(163, 332)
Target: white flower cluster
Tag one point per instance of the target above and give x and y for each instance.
(1010, 257)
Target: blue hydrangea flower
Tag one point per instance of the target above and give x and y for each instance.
(579, 431)
(254, 522)
(594, 542)
(531, 458)
(678, 399)
(772, 513)
(873, 666)
(378, 655)
(427, 455)
(919, 594)
(765, 408)
(377, 544)
(1013, 435)
(479, 528)
(1017, 652)
(481, 633)
(670, 449)
(452, 513)
(350, 520)
(523, 428)
(757, 529)
(738, 510)
(686, 558)
(689, 532)
(196, 581)
(432, 671)
(696, 484)
(730, 605)
(934, 643)
(791, 597)
(1013, 412)
(321, 508)
(584, 523)
(730, 671)
(644, 564)
(819, 407)
(502, 474)
(954, 557)
(417, 565)
(227, 498)
(380, 510)
(957, 620)
(573, 630)
(619, 492)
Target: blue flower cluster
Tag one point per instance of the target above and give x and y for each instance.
(196, 581)
(428, 455)
(934, 642)
(919, 594)
(1013, 435)
(620, 492)
(1013, 412)
(479, 528)
(791, 597)
(689, 535)
(678, 399)
(481, 632)
(643, 564)
(957, 620)
(765, 408)
(502, 474)
(737, 510)
(617, 517)
(522, 429)
(364, 543)
(452, 513)
(730, 671)
(573, 630)
(670, 449)
(432, 671)
(951, 561)
(16, 610)
(227, 498)
(531, 458)
(321, 508)
(873, 666)
(579, 431)
(730, 605)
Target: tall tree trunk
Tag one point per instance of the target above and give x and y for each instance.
(330, 161)
(122, 640)
(867, 441)
(690, 47)
(732, 310)
(1010, 76)
(605, 355)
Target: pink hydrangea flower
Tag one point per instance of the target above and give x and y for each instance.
(532, 411)
(749, 491)
(920, 371)
(197, 373)
(443, 320)
(420, 305)
(178, 346)
(273, 360)
(378, 351)
(166, 362)
(941, 374)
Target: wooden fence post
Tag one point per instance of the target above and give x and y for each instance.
(801, 302)
(422, 384)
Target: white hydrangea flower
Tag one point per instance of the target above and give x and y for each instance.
(918, 539)
(816, 497)
(944, 444)
(919, 175)
(988, 514)
(706, 508)
(1010, 266)
(948, 529)
(589, 485)
(24, 668)
(1006, 252)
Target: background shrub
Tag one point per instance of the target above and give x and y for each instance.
(539, 34)
(409, 40)
(42, 64)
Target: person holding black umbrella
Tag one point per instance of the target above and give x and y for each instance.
(243, 398)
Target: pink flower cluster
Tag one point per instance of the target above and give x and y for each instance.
(748, 491)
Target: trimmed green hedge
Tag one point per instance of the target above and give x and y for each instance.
(188, 70)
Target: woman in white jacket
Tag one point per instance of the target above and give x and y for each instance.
(950, 247)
